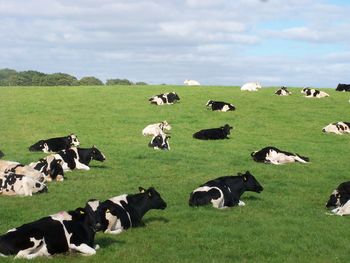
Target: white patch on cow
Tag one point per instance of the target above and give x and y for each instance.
(46, 148)
(157, 100)
(342, 210)
(241, 203)
(75, 140)
(278, 158)
(60, 216)
(225, 108)
(114, 223)
(38, 249)
(217, 203)
(83, 248)
(94, 205)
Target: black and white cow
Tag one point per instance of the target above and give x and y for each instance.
(51, 168)
(272, 155)
(314, 93)
(165, 98)
(1, 154)
(339, 200)
(72, 231)
(283, 91)
(225, 191)
(160, 142)
(55, 144)
(18, 168)
(343, 87)
(214, 133)
(220, 106)
(126, 211)
(156, 128)
(339, 127)
(18, 184)
(75, 158)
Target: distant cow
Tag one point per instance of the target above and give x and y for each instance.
(51, 168)
(1, 154)
(339, 127)
(156, 128)
(283, 91)
(126, 211)
(59, 233)
(18, 168)
(273, 155)
(339, 200)
(314, 93)
(251, 86)
(160, 142)
(18, 184)
(166, 98)
(225, 191)
(220, 106)
(214, 133)
(55, 144)
(343, 87)
(191, 82)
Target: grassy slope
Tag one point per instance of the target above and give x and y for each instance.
(286, 222)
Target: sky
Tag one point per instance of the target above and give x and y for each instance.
(216, 42)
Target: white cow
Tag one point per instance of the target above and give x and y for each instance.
(156, 128)
(191, 82)
(340, 127)
(251, 86)
(18, 168)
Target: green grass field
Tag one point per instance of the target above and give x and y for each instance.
(285, 223)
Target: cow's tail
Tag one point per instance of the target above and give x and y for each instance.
(302, 159)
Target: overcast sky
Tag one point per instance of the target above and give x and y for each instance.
(217, 42)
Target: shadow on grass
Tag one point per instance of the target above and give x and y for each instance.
(159, 219)
(106, 241)
(99, 166)
(252, 197)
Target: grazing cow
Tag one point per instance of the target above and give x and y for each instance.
(283, 91)
(313, 93)
(214, 133)
(191, 82)
(166, 98)
(51, 168)
(225, 191)
(251, 86)
(219, 106)
(339, 127)
(55, 144)
(343, 87)
(18, 168)
(156, 128)
(125, 211)
(160, 142)
(18, 184)
(72, 231)
(339, 200)
(75, 158)
(273, 155)
(1, 154)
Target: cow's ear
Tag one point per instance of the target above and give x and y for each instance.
(245, 178)
(142, 190)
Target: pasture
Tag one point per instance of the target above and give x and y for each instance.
(286, 222)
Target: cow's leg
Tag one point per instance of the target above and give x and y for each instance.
(84, 249)
(114, 232)
(81, 166)
(27, 253)
(241, 203)
(26, 187)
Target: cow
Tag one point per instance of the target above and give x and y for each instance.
(156, 128)
(283, 91)
(314, 93)
(1, 154)
(160, 142)
(51, 168)
(75, 158)
(343, 87)
(72, 231)
(18, 184)
(220, 106)
(251, 86)
(339, 196)
(125, 211)
(272, 155)
(166, 98)
(225, 191)
(214, 133)
(55, 144)
(191, 82)
(340, 128)
(18, 168)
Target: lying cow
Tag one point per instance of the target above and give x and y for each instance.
(219, 106)
(283, 91)
(126, 211)
(156, 128)
(225, 191)
(59, 233)
(51, 168)
(18, 184)
(272, 155)
(160, 142)
(339, 127)
(166, 98)
(191, 82)
(75, 158)
(251, 86)
(338, 201)
(214, 133)
(18, 168)
(343, 87)
(314, 93)
(55, 144)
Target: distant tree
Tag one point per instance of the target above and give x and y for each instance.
(141, 83)
(118, 82)
(60, 79)
(90, 81)
(6, 76)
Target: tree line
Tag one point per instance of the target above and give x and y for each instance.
(11, 77)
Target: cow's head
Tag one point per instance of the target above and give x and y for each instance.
(39, 146)
(40, 187)
(176, 96)
(90, 215)
(209, 103)
(97, 154)
(330, 128)
(73, 140)
(56, 170)
(154, 200)
(304, 90)
(250, 183)
(226, 128)
(164, 125)
(160, 141)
